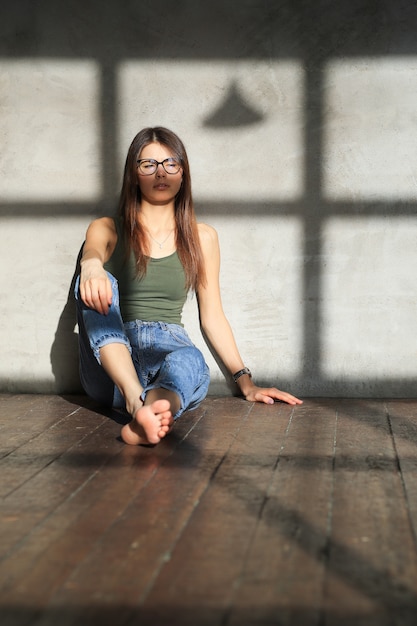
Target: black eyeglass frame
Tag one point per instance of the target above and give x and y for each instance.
(157, 163)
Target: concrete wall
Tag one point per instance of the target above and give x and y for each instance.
(300, 123)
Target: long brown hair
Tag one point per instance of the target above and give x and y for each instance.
(135, 239)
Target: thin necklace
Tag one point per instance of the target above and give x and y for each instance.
(161, 244)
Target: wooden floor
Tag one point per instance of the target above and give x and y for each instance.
(245, 515)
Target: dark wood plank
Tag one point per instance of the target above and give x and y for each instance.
(101, 477)
(140, 541)
(403, 419)
(207, 562)
(40, 435)
(24, 417)
(13, 405)
(47, 479)
(282, 579)
(372, 567)
(246, 515)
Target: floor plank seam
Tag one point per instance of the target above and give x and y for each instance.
(329, 527)
(52, 460)
(401, 474)
(228, 613)
(245, 515)
(167, 556)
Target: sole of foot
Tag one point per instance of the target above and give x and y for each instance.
(150, 424)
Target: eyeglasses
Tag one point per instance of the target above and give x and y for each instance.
(149, 166)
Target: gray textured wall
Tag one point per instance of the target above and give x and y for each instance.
(300, 122)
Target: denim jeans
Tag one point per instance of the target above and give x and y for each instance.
(163, 355)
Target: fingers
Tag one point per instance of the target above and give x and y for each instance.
(109, 292)
(97, 295)
(288, 398)
(268, 396)
(261, 397)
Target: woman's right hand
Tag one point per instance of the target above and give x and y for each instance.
(95, 286)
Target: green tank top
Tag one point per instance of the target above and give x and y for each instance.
(159, 296)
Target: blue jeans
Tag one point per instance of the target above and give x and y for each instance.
(163, 355)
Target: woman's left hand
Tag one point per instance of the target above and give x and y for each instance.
(269, 395)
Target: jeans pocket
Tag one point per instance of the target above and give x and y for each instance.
(179, 334)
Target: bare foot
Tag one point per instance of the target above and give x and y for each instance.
(149, 425)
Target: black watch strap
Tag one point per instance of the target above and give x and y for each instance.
(240, 373)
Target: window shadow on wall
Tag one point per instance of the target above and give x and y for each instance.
(312, 33)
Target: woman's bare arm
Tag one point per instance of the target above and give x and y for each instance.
(217, 328)
(95, 287)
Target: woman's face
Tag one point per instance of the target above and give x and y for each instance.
(159, 187)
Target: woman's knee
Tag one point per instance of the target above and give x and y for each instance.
(189, 372)
(99, 330)
(189, 360)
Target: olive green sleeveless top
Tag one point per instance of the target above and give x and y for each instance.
(159, 296)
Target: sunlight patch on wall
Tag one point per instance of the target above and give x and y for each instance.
(262, 299)
(370, 131)
(242, 122)
(50, 130)
(369, 297)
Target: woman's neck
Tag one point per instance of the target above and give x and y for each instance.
(157, 217)
(159, 223)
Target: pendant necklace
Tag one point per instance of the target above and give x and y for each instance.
(161, 244)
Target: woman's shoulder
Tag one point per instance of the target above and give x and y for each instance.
(103, 223)
(207, 233)
(209, 242)
(103, 231)
(109, 222)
